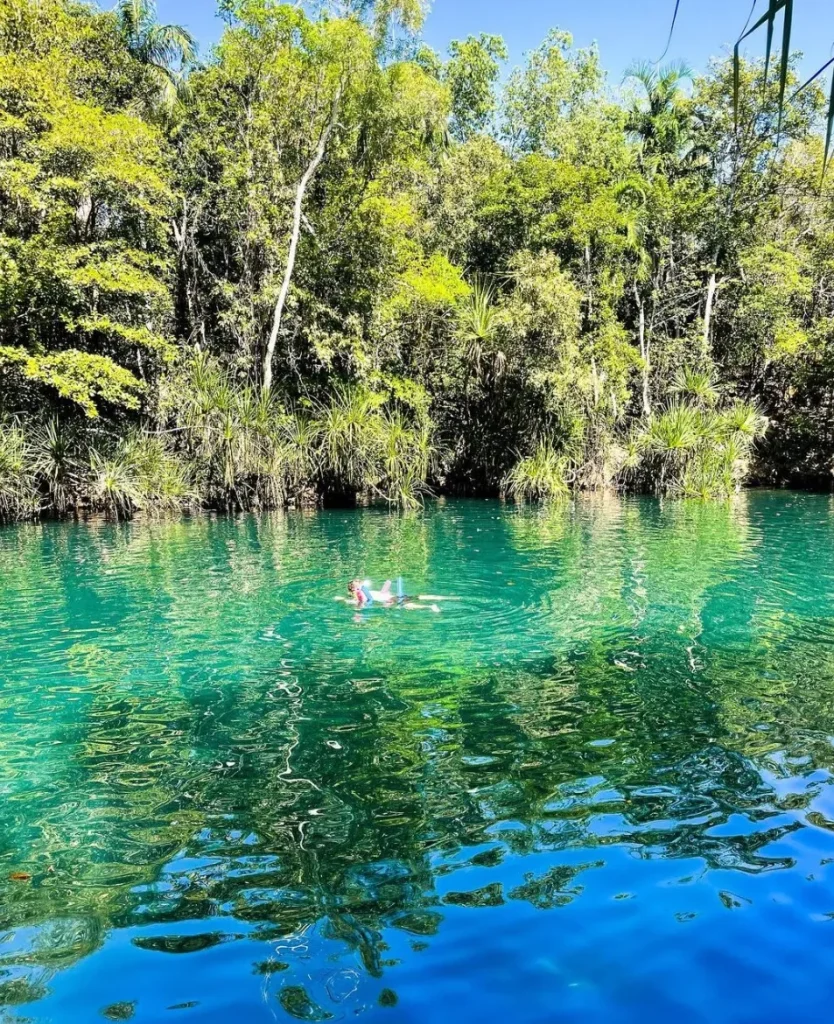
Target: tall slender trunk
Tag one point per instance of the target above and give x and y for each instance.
(588, 322)
(712, 285)
(594, 377)
(185, 300)
(644, 351)
(300, 192)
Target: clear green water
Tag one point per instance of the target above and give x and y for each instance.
(597, 788)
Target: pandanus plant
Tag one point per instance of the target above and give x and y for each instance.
(17, 492)
(542, 476)
(478, 322)
(701, 387)
(57, 463)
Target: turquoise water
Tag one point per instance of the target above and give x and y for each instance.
(597, 788)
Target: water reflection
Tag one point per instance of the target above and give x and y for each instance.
(600, 782)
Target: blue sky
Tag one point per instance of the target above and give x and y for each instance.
(624, 29)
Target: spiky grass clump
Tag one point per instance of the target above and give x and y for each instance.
(58, 464)
(113, 485)
(478, 328)
(364, 446)
(699, 451)
(542, 476)
(249, 451)
(140, 472)
(18, 495)
(162, 478)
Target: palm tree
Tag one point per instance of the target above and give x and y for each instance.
(164, 49)
(659, 119)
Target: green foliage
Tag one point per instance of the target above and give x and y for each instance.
(471, 75)
(17, 492)
(77, 376)
(161, 478)
(552, 102)
(139, 472)
(163, 48)
(478, 326)
(249, 451)
(699, 451)
(56, 459)
(349, 435)
(366, 446)
(113, 484)
(659, 115)
(698, 386)
(85, 196)
(541, 476)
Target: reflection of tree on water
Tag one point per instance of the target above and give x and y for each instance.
(608, 563)
(345, 803)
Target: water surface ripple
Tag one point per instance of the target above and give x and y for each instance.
(597, 787)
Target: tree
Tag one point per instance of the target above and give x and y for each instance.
(342, 266)
(544, 100)
(471, 75)
(308, 99)
(659, 116)
(85, 197)
(164, 49)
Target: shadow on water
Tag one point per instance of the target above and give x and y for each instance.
(600, 782)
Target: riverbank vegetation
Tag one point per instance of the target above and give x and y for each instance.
(323, 262)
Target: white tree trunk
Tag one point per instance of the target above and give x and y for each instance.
(712, 286)
(298, 214)
(644, 352)
(595, 379)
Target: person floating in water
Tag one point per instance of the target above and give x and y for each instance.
(364, 596)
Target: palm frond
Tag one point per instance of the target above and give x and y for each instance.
(164, 49)
(166, 45)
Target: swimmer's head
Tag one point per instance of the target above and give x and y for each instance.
(354, 586)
